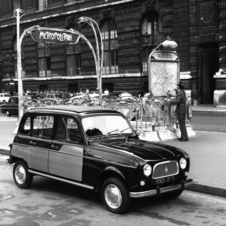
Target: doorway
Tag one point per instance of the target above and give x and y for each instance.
(43, 87)
(209, 56)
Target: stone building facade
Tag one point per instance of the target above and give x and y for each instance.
(130, 29)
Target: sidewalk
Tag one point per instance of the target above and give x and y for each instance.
(206, 151)
(209, 108)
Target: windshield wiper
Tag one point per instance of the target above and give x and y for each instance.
(120, 132)
(111, 132)
(99, 139)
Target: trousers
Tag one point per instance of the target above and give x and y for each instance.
(182, 125)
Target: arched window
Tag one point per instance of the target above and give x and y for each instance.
(151, 35)
(110, 39)
(150, 23)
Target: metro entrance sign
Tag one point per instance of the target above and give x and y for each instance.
(58, 36)
(54, 36)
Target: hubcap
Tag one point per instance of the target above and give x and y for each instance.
(113, 196)
(20, 174)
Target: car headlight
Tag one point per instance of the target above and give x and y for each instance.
(147, 170)
(183, 163)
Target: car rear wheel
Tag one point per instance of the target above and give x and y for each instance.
(21, 176)
(115, 195)
(173, 194)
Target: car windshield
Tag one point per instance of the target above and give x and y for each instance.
(105, 125)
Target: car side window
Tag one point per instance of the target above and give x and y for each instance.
(43, 126)
(67, 130)
(25, 126)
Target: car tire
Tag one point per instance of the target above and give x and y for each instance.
(21, 176)
(115, 195)
(173, 194)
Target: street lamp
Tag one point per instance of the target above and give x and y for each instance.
(18, 13)
(139, 42)
(99, 49)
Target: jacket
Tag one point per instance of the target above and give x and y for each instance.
(180, 101)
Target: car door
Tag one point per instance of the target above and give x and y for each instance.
(66, 151)
(40, 142)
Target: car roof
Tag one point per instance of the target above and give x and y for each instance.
(5, 93)
(71, 108)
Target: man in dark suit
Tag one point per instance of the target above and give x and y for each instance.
(180, 101)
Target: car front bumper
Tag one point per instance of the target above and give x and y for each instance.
(158, 190)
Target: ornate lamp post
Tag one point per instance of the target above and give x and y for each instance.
(18, 13)
(99, 50)
(139, 42)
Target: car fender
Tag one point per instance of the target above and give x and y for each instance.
(113, 168)
(110, 171)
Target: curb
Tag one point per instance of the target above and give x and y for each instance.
(4, 150)
(206, 189)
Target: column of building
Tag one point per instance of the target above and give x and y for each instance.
(220, 77)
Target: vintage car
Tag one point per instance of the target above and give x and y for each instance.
(4, 97)
(11, 107)
(50, 101)
(97, 149)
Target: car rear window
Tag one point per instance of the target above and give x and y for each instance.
(25, 126)
(43, 126)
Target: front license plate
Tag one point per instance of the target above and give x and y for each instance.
(164, 180)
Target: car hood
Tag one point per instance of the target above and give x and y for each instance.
(145, 150)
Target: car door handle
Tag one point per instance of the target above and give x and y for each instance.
(32, 143)
(54, 146)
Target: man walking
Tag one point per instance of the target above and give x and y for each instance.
(180, 101)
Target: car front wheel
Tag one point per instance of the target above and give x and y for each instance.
(115, 195)
(21, 176)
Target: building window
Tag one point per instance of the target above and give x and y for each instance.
(29, 5)
(151, 35)
(207, 14)
(73, 60)
(56, 2)
(6, 8)
(44, 59)
(110, 39)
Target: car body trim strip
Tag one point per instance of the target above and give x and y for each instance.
(153, 192)
(61, 179)
(95, 158)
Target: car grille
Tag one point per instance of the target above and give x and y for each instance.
(165, 169)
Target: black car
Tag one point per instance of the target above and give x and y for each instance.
(11, 107)
(98, 149)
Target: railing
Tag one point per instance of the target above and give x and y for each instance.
(143, 113)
